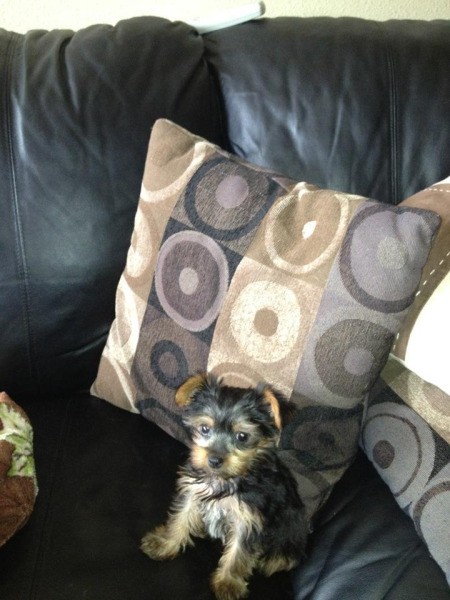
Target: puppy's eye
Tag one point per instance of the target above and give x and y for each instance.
(205, 430)
(241, 436)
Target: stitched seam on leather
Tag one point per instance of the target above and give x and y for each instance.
(20, 253)
(219, 100)
(393, 119)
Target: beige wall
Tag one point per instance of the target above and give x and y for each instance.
(21, 15)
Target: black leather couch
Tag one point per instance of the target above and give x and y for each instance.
(350, 104)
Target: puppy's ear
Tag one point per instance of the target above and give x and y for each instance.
(273, 399)
(186, 392)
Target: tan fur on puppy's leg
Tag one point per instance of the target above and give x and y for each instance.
(158, 545)
(167, 541)
(229, 582)
(275, 564)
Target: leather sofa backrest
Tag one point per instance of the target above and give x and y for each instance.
(76, 115)
(349, 104)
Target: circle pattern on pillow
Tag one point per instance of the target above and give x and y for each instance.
(191, 279)
(168, 180)
(357, 317)
(430, 514)
(414, 462)
(402, 446)
(318, 242)
(350, 346)
(265, 320)
(227, 200)
(386, 286)
(165, 356)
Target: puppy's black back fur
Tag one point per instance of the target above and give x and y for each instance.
(270, 489)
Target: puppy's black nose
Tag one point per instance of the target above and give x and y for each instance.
(215, 462)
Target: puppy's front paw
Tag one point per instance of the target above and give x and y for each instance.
(228, 587)
(158, 545)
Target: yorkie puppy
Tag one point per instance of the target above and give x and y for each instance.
(234, 486)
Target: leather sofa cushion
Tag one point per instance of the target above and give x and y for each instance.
(106, 476)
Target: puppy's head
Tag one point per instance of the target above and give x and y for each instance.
(229, 426)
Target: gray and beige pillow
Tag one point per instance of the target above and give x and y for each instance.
(406, 431)
(239, 271)
(406, 434)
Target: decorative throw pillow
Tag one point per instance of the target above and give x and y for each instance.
(244, 273)
(426, 399)
(406, 435)
(423, 341)
(18, 487)
(406, 432)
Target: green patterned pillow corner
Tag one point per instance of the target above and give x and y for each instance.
(18, 483)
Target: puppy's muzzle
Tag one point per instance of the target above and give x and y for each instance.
(215, 461)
